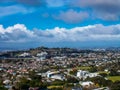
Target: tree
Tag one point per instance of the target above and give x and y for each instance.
(73, 72)
(103, 74)
(101, 81)
(113, 72)
(115, 85)
(93, 69)
(57, 82)
(22, 84)
(72, 80)
(2, 88)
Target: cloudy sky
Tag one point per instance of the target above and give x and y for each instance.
(59, 23)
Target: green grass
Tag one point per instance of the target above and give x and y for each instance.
(103, 72)
(53, 86)
(114, 78)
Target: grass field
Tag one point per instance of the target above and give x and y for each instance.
(114, 78)
(51, 87)
(103, 72)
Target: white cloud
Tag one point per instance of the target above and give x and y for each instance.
(24, 2)
(55, 3)
(14, 9)
(58, 3)
(71, 16)
(19, 33)
(16, 33)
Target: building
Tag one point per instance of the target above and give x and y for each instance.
(55, 75)
(81, 74)
(77, 88)
(87, 83)
(84, 74)
(25, 55)
(42, 55)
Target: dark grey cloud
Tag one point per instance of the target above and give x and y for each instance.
(102, 5)
(71, 16)
(103, 9)
(108, 10)
(43, 34)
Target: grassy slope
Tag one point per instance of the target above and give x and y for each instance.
(114, 78)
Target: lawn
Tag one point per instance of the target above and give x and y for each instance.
(114, 78)
(54, 86)
(103, 72)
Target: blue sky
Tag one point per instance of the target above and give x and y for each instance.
(59, 23)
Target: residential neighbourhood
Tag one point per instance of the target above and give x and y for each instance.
(60, 69)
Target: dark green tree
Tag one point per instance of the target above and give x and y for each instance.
(115, 85)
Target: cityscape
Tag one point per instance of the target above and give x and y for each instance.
(59, 44)
(45, 68)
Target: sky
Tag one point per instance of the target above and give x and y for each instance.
(59, 23)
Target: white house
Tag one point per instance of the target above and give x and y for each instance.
(42, 55)
(6, 81)
(84, 74)
(92, 75)
(55, 75)
(25, 55)
(87, 83)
